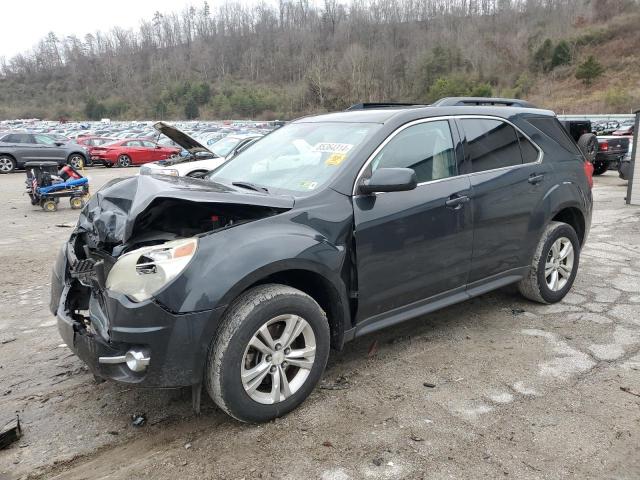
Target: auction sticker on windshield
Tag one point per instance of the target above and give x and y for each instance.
(332, 147)
(335, 159)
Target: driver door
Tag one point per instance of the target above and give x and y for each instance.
(414, 245)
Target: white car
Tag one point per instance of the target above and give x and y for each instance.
(199, 159)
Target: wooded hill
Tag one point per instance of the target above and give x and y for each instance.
(282, 60)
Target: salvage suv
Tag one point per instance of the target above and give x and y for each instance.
(329, 228)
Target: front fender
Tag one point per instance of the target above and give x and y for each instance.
(227, 262)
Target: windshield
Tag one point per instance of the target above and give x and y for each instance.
(224, 146)
(300, 157)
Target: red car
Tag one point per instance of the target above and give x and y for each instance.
(131, 151)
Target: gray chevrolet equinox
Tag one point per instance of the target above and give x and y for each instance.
(329, 228)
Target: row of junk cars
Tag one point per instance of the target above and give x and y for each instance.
(186, 149)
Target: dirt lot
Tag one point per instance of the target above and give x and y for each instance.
(520, 390)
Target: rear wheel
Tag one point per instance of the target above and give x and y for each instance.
(599, 167)
(7, 164)
(554, 265)
(124, 160)
(269, 353)
(76, 161)
(588, 144)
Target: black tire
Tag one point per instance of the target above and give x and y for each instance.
(246, 315)
(77, 161)
(599, 167)
(7, 164)
(534, 285)
(124, 161)
(588, 144)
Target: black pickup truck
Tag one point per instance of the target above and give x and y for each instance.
(611, 149)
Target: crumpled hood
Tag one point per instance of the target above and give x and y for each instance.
(109, 217)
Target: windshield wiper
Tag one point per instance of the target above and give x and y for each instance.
(250, 186)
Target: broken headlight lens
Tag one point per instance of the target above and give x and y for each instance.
(143, 272)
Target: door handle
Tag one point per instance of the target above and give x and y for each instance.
(535, 178)
(456, 201)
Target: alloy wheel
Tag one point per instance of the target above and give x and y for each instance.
(559, 264)
(278, 359)
(124, 161)
(6, 165)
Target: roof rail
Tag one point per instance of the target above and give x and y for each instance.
(366, 106)
(506, 102)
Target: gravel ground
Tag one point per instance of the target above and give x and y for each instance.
(516, 389)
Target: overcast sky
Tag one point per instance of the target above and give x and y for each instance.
(25, 22)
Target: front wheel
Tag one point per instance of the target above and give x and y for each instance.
(554, 265)
(269, 353)
(124, 161)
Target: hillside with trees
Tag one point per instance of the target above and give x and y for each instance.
(286, 59)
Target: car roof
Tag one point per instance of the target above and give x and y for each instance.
(385, 114)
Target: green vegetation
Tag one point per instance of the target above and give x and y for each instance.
(589, 70)
(290, 58)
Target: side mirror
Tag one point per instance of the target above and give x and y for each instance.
(158, 146)
(59, 144)
(390, 180)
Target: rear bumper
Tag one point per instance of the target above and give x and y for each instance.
(177, 343)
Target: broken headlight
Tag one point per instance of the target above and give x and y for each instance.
(141, 273)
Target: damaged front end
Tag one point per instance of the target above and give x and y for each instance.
(135, 238)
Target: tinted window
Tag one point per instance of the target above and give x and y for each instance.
(427, 148)
(18, 138)
(551, 127)
(491, 144)
(529, 151)
(44, 140)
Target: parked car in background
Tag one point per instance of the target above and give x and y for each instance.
(624, 130)
(230, 145)
(124, 153)
(624, 166)
(90, 142)
(610, 150)
(17, 148)
(195, 159)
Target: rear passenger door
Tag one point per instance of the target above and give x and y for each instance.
(508, 182)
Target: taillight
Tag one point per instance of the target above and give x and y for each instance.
(588, 171)
(603, 146)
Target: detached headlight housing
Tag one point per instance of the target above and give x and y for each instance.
(143, 272)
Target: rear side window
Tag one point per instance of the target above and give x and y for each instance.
(491, 144)
(552, 128)
(18, 138)
(529, 151)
